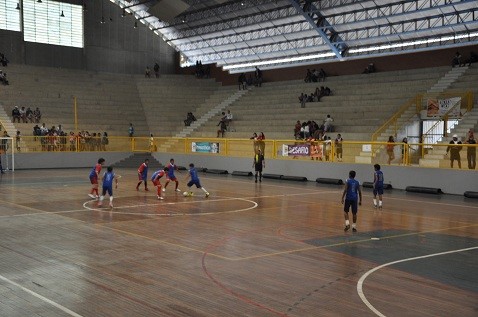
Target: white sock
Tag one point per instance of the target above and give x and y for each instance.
(204, 190)
(354, 225)
(101, 198)
(347, 222)
(111, 199)
(375, 202)
(380, 203)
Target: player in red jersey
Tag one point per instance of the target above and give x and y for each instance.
(143, 175)
(95, 171)
(155, 178)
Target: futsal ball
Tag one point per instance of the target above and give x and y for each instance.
(185, 194)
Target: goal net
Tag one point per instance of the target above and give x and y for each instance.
(7, 154)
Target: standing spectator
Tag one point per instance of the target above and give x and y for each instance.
(29, 115)
(131, 130)
(261, 143)
(152, 144)
(17, 140)
(23, 114)
(222, 125)
(322, 75)
(104, 141)
(308, 76)
(37, 115)
(297, 130)
(147, 72)
(156, 70)
(255, 144)
(328, 123)
(143, 175)
(351, 194)
(259, 163)
(390, 149)
(369, 69)
(456, 60)
(377, 186)
(302, 100)
(454, 148)
(242, 81)
(338, 147)
(258, 75)
(190, 118)
(471, 150)
(405, 149)
(3, 78)
(3, 60)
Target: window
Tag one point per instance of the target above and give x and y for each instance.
(43, 23)
(9, 15)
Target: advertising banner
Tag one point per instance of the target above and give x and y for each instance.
(296, 150)
(204, 147)
(441, 107)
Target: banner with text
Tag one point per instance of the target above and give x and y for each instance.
(296, 150)
(204, 147)
(441, 107)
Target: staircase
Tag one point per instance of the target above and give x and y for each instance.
(8, 125)
(436, 156)
(446, 81)
(206, 113)
(136, 159)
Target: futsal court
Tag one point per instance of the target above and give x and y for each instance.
(274, 248)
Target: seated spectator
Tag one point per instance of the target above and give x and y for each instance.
(473, 59)
(258, 77)
(37, 115)
(456, 61)
(297, 130)
(315, 75)
(23, 114)
(322, 75)
(229, 118)
(369, 69)
(327, 91)
(156, 70)
(190, 118)
(328, 123)
(308, 76)
(16, 114)
(3, 60)
(29, 115)
(3, 78)
(36, 131)
(250, 80)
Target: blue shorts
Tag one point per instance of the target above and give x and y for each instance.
(350, 203)
(196, 182)
(108, 189)
(378, 190)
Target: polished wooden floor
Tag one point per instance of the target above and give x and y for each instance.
(268, 249)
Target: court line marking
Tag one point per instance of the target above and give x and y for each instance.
(43, 298)
(362, 279)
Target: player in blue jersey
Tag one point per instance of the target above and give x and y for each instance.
(193, 174)
(143, 175)
(377, 186)
(170, 176)
(108, 178)
(351, 195)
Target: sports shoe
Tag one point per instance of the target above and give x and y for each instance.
(164, 189)
(111, 205)
(160, 198)
(255, 181)
(207, 195)
(354, 229)
(347, 227)
(380, 207)
(178, 190)
(375, 206)
(92, 196)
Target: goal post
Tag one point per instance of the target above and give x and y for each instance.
(7, 153)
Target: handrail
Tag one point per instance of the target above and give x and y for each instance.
(393, 120)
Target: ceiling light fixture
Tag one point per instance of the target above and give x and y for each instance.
(18, 6)
(62, 14)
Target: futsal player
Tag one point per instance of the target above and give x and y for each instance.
(377, 186)
(143, 175)
(108, 178)
(94, 174)
(170, 175)
(351, 195)
(193, 174)
(155, 178)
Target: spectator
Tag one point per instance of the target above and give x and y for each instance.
(190, 118)
(390, 149)
(328, 123)
(36, 131)
(229, 118)
(473, 59)
(304, 130)
(471, 150)
(104, 141)
(16, 114)
(250, 80)
(37, 115)
(454, 148)
(23, 114)
(147, 72)
(405, 149)
(222, 128)
(3, 60)
(258, 75)
(456, 61)
(315, 75)
(308, 76)
(17, 140)
(302, 99)
(156, 70)
(72, 141)
(369, 69)
(131, 130)
(261, 143)
(242, 81)
(297, 130)
(29, 115)
(322, 75)
(3, 78)
(338, 147)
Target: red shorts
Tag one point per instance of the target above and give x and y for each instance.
(94, 180)
(156, 183)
